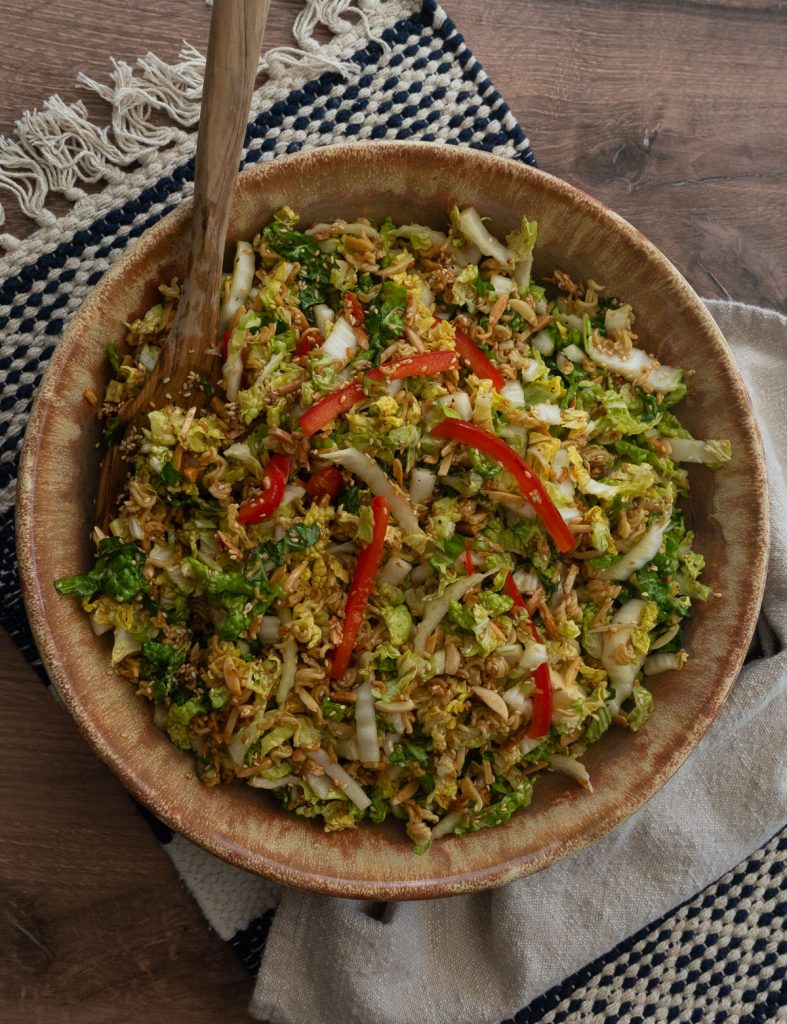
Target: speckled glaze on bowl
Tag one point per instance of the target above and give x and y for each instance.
(727, 510)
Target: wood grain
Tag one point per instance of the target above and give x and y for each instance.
(673, 112)
(230, 72)
(94, 924)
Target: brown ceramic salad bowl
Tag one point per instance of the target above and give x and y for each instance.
(727, 511)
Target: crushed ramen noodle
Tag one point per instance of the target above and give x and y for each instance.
(423, 540)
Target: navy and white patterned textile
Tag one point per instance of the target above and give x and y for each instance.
(719, 957)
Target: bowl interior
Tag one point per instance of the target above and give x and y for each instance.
(728, 512)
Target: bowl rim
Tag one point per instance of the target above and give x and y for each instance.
(260, 863)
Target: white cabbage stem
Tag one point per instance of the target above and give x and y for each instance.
(241, 741)
(534, 654)
(240, 285)
(321, 784)
(514, 392)
(447, 824)
(618, 319)
(394, 571)
(641, 554)
(574, 353)
(240, 452)
(324, 317)
(160, 555)
(518, 702)
(637, 365)
(148, 357)
(547, 413)
(531, 369)
(99, 628)
(344, 782)
(622, 676)
(543, 343)
(522, 271)
(472, 228)
(366, 725)
(348, 749)
(259, 783)
(125, 643)
(669, 661)
(467, 255)
(289, 656)
(376, 480)
(135, 528)
(269, 629)
(561, 470)
(460, 402)
(233, 365)
(271, 366)
(292, 492)
(421, 574)
(422, 483)
(502, 285)
(342, 343)
(526, 581)
(571, 767)
(436, 609)
(711, 453)
(511, 652)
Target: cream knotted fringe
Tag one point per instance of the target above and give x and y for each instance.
(57, 148)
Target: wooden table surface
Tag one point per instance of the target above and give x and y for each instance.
(671, 111)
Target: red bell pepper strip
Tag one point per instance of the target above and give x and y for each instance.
(361, 587)
(514, 593)
(328, 408)
(480, 364)
(425, 364)
(542, 695)
(468, 558)
(531, 487)
(225, 343)
(309, 339)
(325, 482)
(265, 502)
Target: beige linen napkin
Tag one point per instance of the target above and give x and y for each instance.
(478, 959)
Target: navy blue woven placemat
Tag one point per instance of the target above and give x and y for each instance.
(720, 956)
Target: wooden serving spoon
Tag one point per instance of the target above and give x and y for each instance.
(236, 28)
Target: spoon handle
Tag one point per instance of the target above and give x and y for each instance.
(236, 29)
(233, 56)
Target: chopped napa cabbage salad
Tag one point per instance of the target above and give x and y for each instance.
(419, 540)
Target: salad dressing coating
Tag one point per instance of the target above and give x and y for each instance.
(422, 542)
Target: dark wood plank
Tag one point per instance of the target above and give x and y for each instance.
(673, 113)
(95, 925)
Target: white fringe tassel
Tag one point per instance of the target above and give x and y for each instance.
(58, 147)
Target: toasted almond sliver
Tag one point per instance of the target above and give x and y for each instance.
(524, 309)
(405, 793)
(308, 701)
(493, 700)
